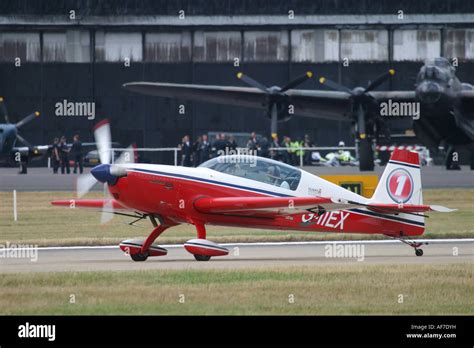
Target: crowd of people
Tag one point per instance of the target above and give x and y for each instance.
(201, 150)
(62, 154)
(197, 152)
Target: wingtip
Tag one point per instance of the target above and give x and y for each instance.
(441, 209)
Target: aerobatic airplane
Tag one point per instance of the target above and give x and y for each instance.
(254, 192)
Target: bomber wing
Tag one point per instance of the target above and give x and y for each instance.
(331, 105)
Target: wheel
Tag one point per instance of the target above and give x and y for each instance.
(366, 155)
(418, 252)
(139, 257)
(202, 257)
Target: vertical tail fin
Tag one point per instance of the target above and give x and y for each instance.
(401, 181)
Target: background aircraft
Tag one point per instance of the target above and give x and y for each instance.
(446, 115)
(10, 151)
(251, 191)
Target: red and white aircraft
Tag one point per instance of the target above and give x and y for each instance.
(254, 192)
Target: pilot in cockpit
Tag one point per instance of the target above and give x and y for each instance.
(274, 177)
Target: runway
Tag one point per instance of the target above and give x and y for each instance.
(42, 179)
(241, 256)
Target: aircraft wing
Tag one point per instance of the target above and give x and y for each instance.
(398, 96)
(319, 104)
(268, 206)
(94, 204)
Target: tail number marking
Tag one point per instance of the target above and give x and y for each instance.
(333, 219)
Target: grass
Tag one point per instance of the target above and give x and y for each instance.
(335, 289)
(42, 224)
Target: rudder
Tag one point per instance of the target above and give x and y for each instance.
(401, 180)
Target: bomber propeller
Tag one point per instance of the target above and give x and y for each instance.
(361, 101)
(277, 99)
(20, 123)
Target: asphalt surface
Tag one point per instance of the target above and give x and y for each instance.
(258, 255)
(42, 179)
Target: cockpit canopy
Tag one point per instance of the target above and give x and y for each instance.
(437, 69)
(257, 168)
(439, 62)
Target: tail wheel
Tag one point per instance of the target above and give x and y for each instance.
(202, 257)
(418, 252)
(139, 257)
(366, 155)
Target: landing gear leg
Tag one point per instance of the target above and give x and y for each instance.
(158, 229)
(415, 245)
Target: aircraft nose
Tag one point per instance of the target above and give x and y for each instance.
(429, 92)
(102, 174)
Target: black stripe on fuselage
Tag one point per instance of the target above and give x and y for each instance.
(388, 217)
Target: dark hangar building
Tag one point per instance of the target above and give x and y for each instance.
(83, 51)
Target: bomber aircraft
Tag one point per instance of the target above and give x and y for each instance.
(10, 151)
(253, 192)
(446, 114)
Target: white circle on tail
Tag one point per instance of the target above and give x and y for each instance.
(400, 185)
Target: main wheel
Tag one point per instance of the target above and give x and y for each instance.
(418, 252)
(202, 257)
(139, 257)
(366, 155)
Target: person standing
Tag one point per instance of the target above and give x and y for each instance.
(76, 151)
(218, 146)
(186, 151)
(197, 151)
(307, 154)
(275, 154)
(286, 155)
(205, 150)
(55, 160)
(64, 156)
(253, 143)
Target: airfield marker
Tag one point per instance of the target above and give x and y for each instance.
(15, 212)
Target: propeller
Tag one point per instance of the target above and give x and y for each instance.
(277, 99)
(359, 97)
(126, 156)
(102, 137)
(106, 172)
(20, 123)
